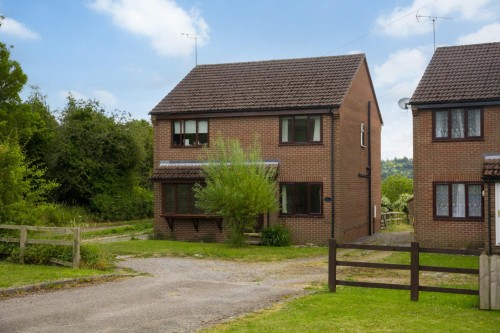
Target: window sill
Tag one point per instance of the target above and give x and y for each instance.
(458, 219)
(457, 140)
(301, 144)
(306, 216)
(194, 146)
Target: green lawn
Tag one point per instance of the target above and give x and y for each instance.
(121, 228)
(211, 250)
(353, 309)
(14, 275)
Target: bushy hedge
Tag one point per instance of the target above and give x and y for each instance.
(92, 255)
(277, 235)
(136, 204)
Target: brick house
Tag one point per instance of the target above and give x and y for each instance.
(319, 123)
(456, 147)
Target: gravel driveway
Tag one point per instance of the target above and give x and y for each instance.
(179, 295)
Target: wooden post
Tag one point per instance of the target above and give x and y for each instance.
(76, 247)
(332, 265)
(22, 243)
(414, 262)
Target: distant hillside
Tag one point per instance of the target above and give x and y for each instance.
(397, 166)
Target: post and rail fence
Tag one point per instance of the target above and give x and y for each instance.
(391, 217)
(23, 240)
(414, 267)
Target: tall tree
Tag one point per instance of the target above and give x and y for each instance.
(238, 186)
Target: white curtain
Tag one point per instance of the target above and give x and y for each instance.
(177, 127)
(317, 129)
(190, 127)
(202, 127)
(284, 129)
(458, 200)
(474, 122)
(457, 123)
(441, 124)
(284, 202)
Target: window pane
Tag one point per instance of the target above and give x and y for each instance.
(169, 198)
(315, 198)
(177, 133)
(457, 123)
(474, 122)
(286, 129)
(202, 132)
(189, 132)
(315, 129)
(286, 199)
(475, 208)
(458, 200)
(362, 130)
(300, 129)
(442, 200)
(183, 198)
(441, 125)
(301, 199)
(192, 201)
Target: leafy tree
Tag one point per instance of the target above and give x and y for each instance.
(397, 166)
(394, 186)
(402, 203)
(238, 186)
(94, 154)
(142, 132)
(12, 77)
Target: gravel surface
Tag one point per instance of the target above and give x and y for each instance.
(179, 295)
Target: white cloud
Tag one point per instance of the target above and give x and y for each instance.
(402, 66)
(488, 33)
(161, 21)
(394, 79)
(17, 29)
(402, 22)
(106, 98)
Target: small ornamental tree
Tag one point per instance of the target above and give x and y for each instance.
(238, 186)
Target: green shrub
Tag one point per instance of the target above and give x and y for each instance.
(277, 235)
(92, 255)
(136, 204)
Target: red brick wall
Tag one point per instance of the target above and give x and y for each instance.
(449, 161)
(352, 159)
(307, 163)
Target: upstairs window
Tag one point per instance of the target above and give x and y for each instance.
(458, 200)
(300, 129)
(458, 124)
(190, 133)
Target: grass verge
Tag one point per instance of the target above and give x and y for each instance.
(148, 248)
(118, 229)
(370, 310)
(15, 275)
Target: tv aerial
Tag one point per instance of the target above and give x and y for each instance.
(195, 37)
(433, 19)
(403, 103)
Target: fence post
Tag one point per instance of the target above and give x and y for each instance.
(414, 262)
(23, 235)
(76, 247)
(332, 265)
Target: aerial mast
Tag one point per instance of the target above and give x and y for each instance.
(433, 19)
(195, 37)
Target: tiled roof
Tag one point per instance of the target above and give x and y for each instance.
(491, 168)
(264, 85)
(461, 73)
(177, 172)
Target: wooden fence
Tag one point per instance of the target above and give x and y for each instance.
(390, 217)
(414, 267)
(23, 240)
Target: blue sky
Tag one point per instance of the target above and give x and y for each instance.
(129, 54)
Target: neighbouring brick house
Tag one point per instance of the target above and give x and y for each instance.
(456, 147)
(318, 121)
